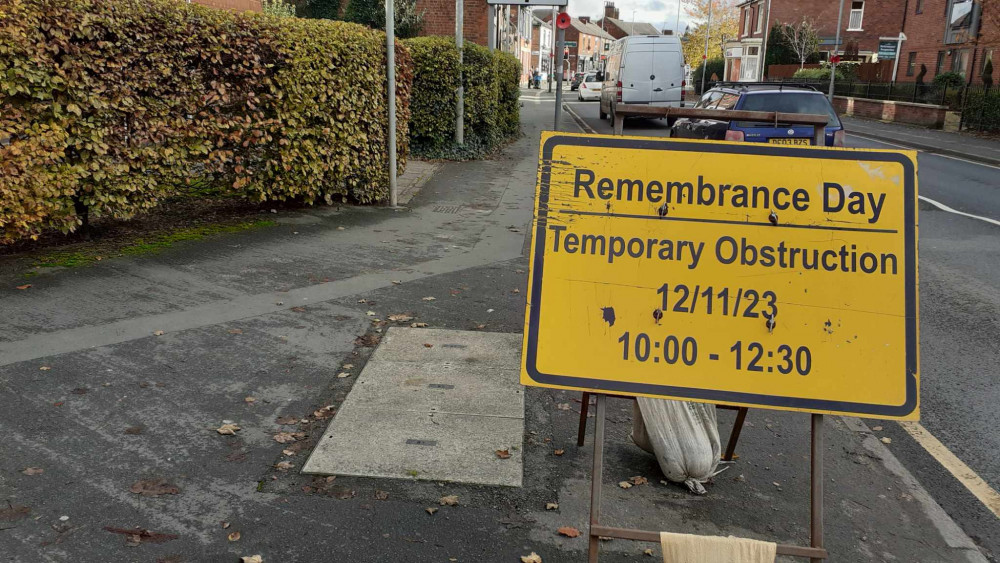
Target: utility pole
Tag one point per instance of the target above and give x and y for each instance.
(836, 45)
(704, 58)
(552, 49)
(558, 55)
(460, 102)
(390, 58)
(677, 24)
(491, 27)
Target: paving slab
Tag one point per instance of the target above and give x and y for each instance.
(431, 404)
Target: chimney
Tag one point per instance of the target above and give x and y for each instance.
(610, 11)
(584, 19)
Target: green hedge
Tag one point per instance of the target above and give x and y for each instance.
(108, 107)
(491, 89)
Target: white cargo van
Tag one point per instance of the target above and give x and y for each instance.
(643, 69)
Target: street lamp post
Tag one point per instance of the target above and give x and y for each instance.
(704, 58)
(390, 58)
(836, 45)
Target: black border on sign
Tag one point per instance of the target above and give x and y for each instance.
(909, 275)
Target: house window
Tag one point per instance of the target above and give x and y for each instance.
(760, 17)
(911, 63)
(920, 7)
(857, 15)
(753, 51)
(963, 21)
(959, 60)
(746, 21)
(939, 67)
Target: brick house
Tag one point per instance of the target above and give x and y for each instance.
(949, 36)
(439, 19)
(541, 44)
(586, 45)
(618, 28)
(233, 5)
(865, 24)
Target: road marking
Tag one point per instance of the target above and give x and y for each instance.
(965, 475)
(877, 140)
(944, 207)
(579, 120)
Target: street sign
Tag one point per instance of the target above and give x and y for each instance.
(750, 274)
(569, 43)
(527, 3)
(887, 49)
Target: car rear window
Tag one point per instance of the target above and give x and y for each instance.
(788, 102)
(590, 78)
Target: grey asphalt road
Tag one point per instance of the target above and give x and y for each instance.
(121, 372)
(959, 324)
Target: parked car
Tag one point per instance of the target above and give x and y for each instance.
(643, 69)
(590, 88)
(577, 79)
(789, 98)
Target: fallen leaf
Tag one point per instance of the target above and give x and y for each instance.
(80, 391)
(648, 552)
(57, 404)
(252, 559)
(137, 535)
(381, 495)
(45, 368)
(776, 484)
(533, 558)
(299, 309)
(234, 536)
(235, 331)
(288, 452)
(516, 291)
(518, 271)
(158, 333)
(638, 480)
(325, 412)
(426, 345)
(400, 318)
(559, 452)
(569, 531)
(563, 406)
(25, 286)
(429, 298)
(551, 505)
(227, 429)
(431, 510)
(396, 282)
(418, 325)
(225, 525)
(11, 513)
(250, 400)
(343, 374)
(625, 485)
(503, 454)
(340, 228)
(153, 488)
(450, 500)
(370, 313)
(877, 428)
(489, 310)
(32, 471)
(886, 440)
(287, 420)
(362, 300)
(284, 465)
(347, 366)
(284, 437)
(480, 327)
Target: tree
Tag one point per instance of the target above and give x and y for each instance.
(802, 39)
(725, 22)
(278, 8)
(319, 9)
(372, 13)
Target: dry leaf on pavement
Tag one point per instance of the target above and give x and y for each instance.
(23, 287)
(648, 552)
(287, 420)
(625, 485)
(153, 488)
(562, 406)
(638, 480)
(45, 368)
(286, 437)
(235, 331)
(234, 536)
(250, 400)
(252, 559)
(503, 454)
(343, 375)
(886, 440)
(347, 366)
(370, 313)
(569, 531)
(227, 429)
(400, 318)
(427, 345)
(431, 510)
(288, 452)
(418, 325)
(158, 333)
(428, 298)
(450, 500)
(533, 558)
(559, 452)
(32, 471)
(551, 505)
(284, 465)
(381, 495)
(299, 309)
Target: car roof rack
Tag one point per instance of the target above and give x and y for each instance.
(776, 85)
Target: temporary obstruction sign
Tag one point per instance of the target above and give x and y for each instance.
(742, 273)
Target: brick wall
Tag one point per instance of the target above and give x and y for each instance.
(926, 115)
(882, 18)
(439, 19)
(234, 5)
(925, 33)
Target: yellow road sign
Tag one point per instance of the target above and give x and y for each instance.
(740, 273)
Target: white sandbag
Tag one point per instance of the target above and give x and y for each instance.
(684, 438)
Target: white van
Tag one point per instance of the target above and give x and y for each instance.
(643, 69)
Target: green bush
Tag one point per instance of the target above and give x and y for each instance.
(491, 89)
(715, 66)
(949, 80)
(107, 107)
(816, 74)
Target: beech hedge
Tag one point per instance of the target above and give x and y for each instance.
(106, 108)
(491, 90)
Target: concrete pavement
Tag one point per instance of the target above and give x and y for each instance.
(256, 327)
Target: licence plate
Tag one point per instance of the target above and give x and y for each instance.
(790, 141)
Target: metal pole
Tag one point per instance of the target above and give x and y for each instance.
(552, 49)
(763, 50)
(560, 45)
(816, 493)
(895, 63)
(704, 59)
(596, 478)
(460, 102)
(836, 45)
(677, 24)
(491, 27)
(390, 57)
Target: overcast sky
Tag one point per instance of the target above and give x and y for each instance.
(660, 13)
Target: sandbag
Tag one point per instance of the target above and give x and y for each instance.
(683, 436)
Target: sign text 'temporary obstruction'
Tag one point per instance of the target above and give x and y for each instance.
(739, 273)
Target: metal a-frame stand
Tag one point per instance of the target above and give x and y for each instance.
(815, 552)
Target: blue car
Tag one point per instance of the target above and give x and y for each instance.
(789, 98)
